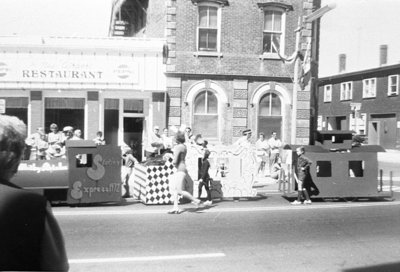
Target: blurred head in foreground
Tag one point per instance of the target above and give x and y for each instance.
(12, 144)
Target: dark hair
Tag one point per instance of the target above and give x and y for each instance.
(12, 144)
(206, 153)
(277, 158)
(180, 137)
(302, 149)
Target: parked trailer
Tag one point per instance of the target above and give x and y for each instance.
(89, 174)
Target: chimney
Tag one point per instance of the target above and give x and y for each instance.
(342, 63)
(383, 50)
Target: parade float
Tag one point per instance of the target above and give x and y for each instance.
(232, 170)
(87, 174)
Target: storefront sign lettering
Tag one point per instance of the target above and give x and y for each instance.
(66, 74)
(78, 190)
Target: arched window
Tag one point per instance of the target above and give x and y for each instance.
(270, 105)
(270, 114)
(206, 114)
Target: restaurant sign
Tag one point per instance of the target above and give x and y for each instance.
(59, 68)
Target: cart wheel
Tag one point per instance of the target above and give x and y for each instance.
(350, 199)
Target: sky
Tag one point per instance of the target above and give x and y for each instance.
(55, 17)
(356, 28)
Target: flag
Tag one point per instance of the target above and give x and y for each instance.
(305, 72)
(285, 60)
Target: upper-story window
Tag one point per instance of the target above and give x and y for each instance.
(208, 28)
(346, 91)
(369, 87)
(274, 26)
(327, 93)
(273, 30)
(393, 85)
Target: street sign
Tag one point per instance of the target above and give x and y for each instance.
(355, 106)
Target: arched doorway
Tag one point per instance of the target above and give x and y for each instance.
(270, 114)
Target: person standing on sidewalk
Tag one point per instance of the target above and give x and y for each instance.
(180, 179)
(204, 179)
(303, 170)
(30, 237)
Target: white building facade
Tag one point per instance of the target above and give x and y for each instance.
(113, 85)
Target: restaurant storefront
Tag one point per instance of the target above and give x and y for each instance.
(112, 85)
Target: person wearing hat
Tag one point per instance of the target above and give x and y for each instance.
(55, 136)
(244, 141)
(154, 143)
(68, 133)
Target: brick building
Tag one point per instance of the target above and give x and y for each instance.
(212, 65)
(224, 74)
(366, 101)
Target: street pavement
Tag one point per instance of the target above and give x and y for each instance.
(265, 234)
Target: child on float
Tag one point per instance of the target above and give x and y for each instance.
(276, 168)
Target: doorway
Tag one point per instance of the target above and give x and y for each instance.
(382, 130)
(270, 124)
(133, 135)
(337, 123)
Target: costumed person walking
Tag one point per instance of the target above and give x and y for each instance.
(303, 170)
(128, 163)
(179, 181)
(204, 179)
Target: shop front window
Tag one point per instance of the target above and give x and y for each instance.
(17, 106)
